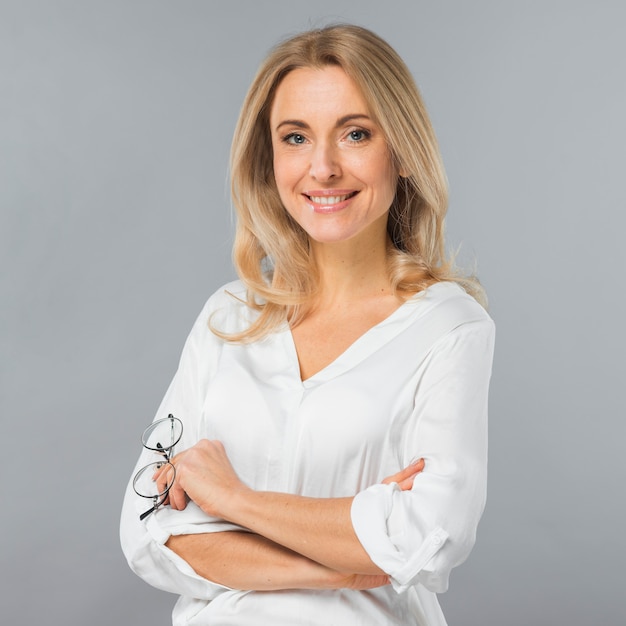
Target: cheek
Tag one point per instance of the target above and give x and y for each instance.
(284, 174)
(388, 178)
(374, 165)
(381, 176)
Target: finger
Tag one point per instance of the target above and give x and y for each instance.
(160, 478)
(366, 581)
(408, 472)
(416, 465)
(406, 484)
(177, 497)
(180, 501)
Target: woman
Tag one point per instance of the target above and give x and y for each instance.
(332, 466)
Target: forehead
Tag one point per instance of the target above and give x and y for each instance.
(317, 92)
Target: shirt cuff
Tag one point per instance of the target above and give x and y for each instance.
(165, 522)
(371, 511)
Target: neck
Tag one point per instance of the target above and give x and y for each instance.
(351, 270)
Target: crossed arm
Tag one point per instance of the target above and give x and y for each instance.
(295, 542)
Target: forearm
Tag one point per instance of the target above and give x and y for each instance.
(246, 561)
(317, 528)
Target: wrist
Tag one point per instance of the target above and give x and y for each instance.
(234, 503)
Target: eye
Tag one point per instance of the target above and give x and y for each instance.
(294, 139)
(358, 135)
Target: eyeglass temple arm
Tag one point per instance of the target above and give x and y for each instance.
(153, 509)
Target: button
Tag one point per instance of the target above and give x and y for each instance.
(437, 541)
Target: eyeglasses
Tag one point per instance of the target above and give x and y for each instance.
(160, 437)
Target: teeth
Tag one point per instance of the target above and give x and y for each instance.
(329, 199)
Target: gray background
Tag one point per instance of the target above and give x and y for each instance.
(115, 124)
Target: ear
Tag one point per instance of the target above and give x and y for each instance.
(402, 171)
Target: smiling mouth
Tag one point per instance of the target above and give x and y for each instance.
(328, 200)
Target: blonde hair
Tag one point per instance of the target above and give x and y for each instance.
(271, 251)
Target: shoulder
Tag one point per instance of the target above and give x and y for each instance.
(231, 294)
(227, 309)
(446, 314)
(461, 332)
(447, 299)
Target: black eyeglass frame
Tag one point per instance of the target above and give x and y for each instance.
(165, 451)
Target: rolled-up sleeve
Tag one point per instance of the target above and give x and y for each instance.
(418, 536)
(143, 542)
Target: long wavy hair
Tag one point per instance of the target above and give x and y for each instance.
(271, 251)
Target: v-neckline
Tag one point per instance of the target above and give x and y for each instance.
(364, 345)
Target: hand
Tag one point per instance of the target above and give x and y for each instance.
(359, 582)
(203, 474)
(405, 477)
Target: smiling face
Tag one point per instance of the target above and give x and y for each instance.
(332, 166)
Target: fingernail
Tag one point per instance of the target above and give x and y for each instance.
(415, 461)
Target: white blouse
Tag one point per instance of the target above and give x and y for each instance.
(413, 386)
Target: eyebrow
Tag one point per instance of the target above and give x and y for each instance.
(340, 122)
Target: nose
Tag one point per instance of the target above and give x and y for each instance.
(324, 162)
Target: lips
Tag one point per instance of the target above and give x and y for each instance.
(329, 197)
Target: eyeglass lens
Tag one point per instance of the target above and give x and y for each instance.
(162, 435)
